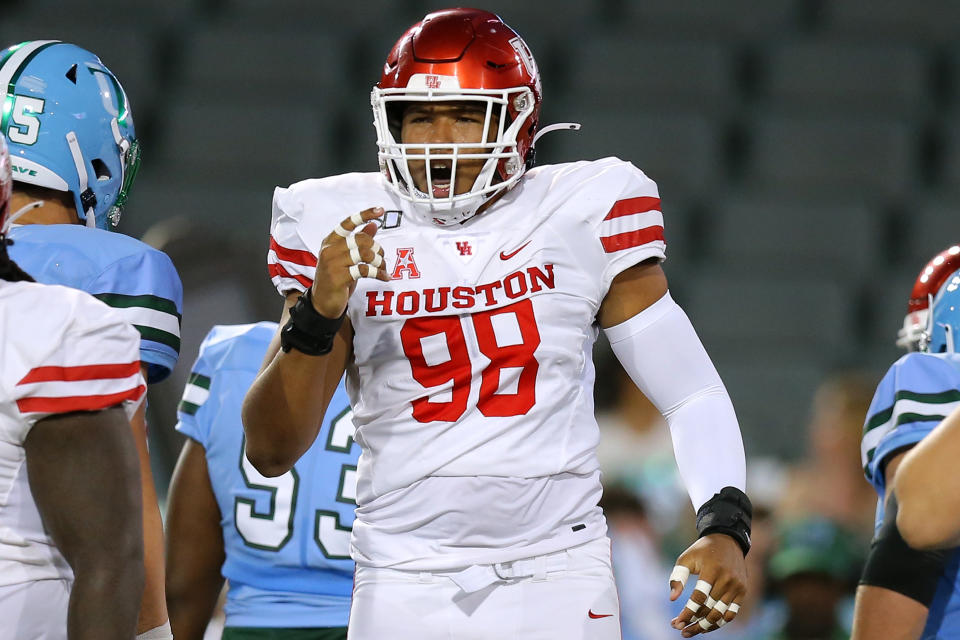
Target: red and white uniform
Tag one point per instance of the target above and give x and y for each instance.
(472, 378)
(62, 351)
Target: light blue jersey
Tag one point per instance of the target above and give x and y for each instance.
(919, 391)
(135, 279)
(287, 539)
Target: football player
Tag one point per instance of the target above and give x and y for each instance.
(71, 537)
(75, 155)
(461, 290)
(282, 543)
(905, 592)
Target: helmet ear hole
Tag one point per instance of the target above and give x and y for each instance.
(71, 74)
(101, 170)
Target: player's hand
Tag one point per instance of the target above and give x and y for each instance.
(719, 563)
(347, 255)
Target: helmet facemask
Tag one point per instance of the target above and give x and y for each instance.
(507, 112)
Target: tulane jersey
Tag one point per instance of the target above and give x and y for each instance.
(287, 539)
(919, 391)
(138, 281)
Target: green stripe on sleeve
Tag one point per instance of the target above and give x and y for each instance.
(163, 337)
(123, 301)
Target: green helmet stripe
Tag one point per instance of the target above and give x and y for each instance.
(11, 68)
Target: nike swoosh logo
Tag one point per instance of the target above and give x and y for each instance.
(596, 616)
(507, 256)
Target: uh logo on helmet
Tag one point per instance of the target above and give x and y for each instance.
(69, 127)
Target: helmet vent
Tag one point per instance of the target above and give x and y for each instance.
(72, 74)
(101, 170)
(494, 65)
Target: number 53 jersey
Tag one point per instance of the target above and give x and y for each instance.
(472, 373)
(286, 539)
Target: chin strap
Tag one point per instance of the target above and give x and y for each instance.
(560, 126)
(88, 199)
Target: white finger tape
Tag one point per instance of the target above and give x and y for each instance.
(681, 574)
(340, 231)
(354, 255)
(352, 242)
(721, 622)
(710, 602)
(375, 247)
(703, 587)
(356, 219)
(693, 606)
(355, 272)
(734, 608)
(705, 624)
(377, 261)
(721, 606)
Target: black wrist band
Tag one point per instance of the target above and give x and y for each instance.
(308, 331)
(728, 512)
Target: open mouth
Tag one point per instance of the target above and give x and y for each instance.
(440, 174)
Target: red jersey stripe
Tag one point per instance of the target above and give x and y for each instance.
(304, 258)
(631, 206)
(277, 269)
(81, 372)
(78, 403)
(631, 238)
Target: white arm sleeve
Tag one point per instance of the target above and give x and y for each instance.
(661, 352)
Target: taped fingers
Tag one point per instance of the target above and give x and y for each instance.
(680, 574)
(354, 249)
(358, 271)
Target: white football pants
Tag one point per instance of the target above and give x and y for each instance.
(35, 610)
(568, 595)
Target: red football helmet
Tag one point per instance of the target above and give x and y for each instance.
(6, 184)
(928, 283)
(459, 55)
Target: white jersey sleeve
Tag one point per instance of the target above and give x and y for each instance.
(627, 223)
(91, 363)
(290, 260)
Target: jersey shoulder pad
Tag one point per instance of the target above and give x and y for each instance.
(225, 351)
(917, 392)
(614, 204)
(306, 212)
(135, 279)
(70, 352)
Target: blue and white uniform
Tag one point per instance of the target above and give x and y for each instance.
(286, 539)
(135, 279)
(918, 391)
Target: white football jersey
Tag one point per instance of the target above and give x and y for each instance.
(62, 351)
(472, 378)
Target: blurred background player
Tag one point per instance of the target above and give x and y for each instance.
(815, 569)
(282, 543)
(71, 537)
(75, 154)
(906, 592)
(468, 359)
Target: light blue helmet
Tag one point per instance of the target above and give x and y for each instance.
(69, 127)
(944, 329)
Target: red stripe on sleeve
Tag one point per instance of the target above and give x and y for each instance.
(78, 403)
(83, 372)
(631, 238)
(631, 206)
(304, 258)
(277, 269)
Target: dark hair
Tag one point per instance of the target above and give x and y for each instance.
(10, 270)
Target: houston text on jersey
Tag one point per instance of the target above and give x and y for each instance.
(407, 303)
